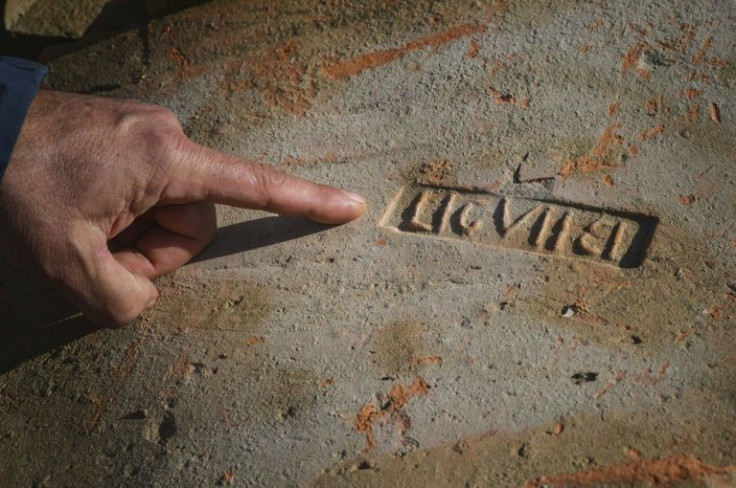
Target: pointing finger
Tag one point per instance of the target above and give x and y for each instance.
(222, 178)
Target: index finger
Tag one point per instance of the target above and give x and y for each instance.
(209, 175)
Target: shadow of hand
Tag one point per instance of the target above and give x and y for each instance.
(35, 319)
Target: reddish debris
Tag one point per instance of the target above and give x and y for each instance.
(654, 472)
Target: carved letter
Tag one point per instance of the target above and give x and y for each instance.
(543, 228)
(617, 237)
(466, 227)
(504, 227)
(414, 223)
(587, 242)
(562, 235)
(447, 208)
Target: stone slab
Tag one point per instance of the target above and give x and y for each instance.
(467, 337)
(51, 18)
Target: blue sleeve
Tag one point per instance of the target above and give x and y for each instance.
(20, 80)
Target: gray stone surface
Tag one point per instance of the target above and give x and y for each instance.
(464, 332)
(51, 18)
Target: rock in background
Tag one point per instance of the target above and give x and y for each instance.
(51, 18)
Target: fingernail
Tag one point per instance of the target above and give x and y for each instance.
(151, 303)
(354, 197)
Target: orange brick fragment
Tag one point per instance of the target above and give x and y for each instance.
(687, 199)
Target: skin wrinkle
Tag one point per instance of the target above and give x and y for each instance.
(268, 178)
(120, 223)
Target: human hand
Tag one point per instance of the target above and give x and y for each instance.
(101, 196)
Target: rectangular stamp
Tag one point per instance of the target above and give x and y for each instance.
(548, 227)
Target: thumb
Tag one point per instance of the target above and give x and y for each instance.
(109, 293)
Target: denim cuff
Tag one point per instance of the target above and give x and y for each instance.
(20, 80)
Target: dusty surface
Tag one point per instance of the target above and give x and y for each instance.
(543, 292)
(53, 18)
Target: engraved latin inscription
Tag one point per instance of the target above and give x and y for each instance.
(546, 227)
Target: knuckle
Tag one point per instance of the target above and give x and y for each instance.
(166, 117)
(155, 125)
(164, 145)
(268, 177)
(268, 181)
(129, 122)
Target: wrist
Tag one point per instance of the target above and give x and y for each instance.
(20, 81)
